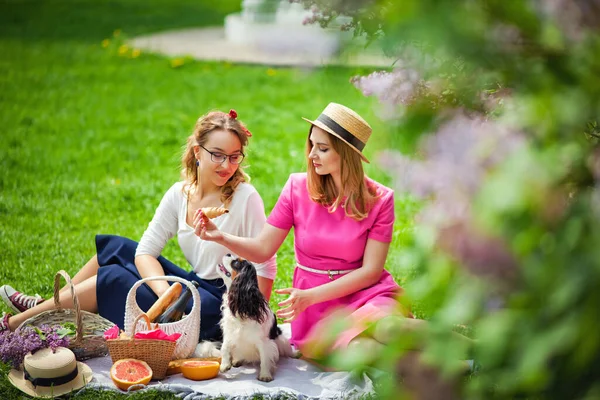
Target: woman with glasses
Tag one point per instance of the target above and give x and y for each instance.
(211, 177)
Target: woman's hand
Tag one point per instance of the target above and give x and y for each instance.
(204, 228)
(298, 301)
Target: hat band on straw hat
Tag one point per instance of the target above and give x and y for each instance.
(59, 380)
(341, 131)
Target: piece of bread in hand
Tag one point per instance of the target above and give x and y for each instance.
(214, 212)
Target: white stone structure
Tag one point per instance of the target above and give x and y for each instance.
(277, 26)
(268, 32)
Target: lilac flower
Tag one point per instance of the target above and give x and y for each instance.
(453, 164)
(482, 254)
(455, 161)
(397, 87)
(14, 346)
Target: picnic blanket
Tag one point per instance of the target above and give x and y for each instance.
(295, 377)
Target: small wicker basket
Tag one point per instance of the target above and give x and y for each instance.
(188, 326)
(157, 353)
(89, 340)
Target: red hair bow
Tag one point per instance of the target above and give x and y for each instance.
(233, 114)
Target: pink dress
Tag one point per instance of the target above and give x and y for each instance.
(332, 241)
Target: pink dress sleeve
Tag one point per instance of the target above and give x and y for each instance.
(383, 226)
(282, 215)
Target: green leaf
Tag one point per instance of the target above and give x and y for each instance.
(64, 331)
(40, 333)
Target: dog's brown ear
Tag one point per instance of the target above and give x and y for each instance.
(234, 273)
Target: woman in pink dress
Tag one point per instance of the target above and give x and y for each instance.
(343, 224)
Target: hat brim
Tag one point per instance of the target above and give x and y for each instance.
(329, 130)
(84, 377)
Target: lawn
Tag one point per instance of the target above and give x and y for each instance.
(91, 132)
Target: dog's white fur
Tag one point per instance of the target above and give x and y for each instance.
(207, 349)
(247, 340)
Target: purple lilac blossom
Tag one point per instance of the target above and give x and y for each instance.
(397, 87)
(14, 346)
(453, 164)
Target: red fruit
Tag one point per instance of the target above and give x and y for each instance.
(128, 372)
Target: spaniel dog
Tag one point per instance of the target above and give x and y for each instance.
(250, 331)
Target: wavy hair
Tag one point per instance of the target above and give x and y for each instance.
(358, 194)
(204, 127)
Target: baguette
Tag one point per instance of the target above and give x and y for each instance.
(175, 365)
(164, 301)
(214, 212)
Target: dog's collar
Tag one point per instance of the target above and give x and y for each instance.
(224, 270)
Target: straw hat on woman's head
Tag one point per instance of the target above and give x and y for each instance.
(345, 124)
(50, 374)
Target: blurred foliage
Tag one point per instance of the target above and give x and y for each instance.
(495, 105)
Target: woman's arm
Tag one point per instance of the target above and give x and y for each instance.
(265, 285)
(257, 249)
(148, 266)
(263, 246)
(252, 220)
(370, 272)
(162, 228)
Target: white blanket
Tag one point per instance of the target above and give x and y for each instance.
(293, 376)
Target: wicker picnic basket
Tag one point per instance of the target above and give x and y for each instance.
(89, 340)
(157, 353)
(188, 326)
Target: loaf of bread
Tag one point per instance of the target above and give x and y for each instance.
(164, 301)
(214, 212)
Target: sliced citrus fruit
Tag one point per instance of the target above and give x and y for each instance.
(175, 365)
(128, 372)
(200, 370)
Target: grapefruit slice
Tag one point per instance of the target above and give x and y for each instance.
(128, 372)
(200, 370)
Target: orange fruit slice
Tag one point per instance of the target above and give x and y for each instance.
(175, 365)
(200, 370)
(128, 372)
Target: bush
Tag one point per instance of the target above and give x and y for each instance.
(493, 109)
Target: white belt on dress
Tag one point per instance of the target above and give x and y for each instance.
(330, 272)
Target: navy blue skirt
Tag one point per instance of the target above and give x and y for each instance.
(118, 274)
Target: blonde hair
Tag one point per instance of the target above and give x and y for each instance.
(204, 127)
(358, 194)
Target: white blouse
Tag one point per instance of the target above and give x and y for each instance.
(246, 218)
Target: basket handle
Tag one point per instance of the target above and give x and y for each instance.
(78, 322)
(133, 330)
(132, 292)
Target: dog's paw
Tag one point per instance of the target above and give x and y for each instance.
(225, 367)
(265, 377)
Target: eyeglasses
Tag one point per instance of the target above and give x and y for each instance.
(220, 158)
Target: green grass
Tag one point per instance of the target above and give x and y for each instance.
(90, 138)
